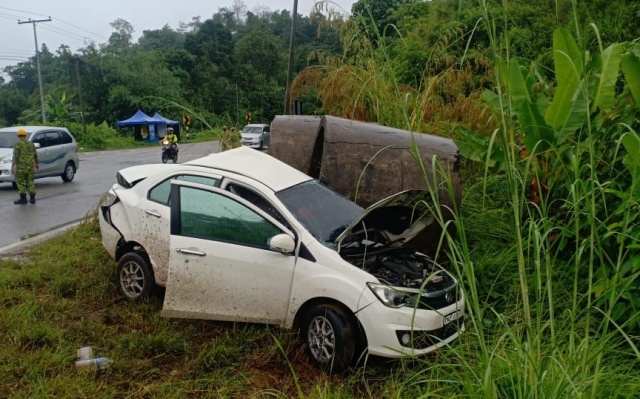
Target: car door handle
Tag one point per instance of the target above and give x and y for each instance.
(191, 251)
(152, 212)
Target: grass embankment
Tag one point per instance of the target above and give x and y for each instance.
(61, 295)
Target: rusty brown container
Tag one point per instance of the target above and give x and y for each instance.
(293, 138)
(367, 162)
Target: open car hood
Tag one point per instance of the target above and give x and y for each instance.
(399, 218)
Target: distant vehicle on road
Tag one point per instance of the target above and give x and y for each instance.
(241, 236)
(56, 146)
(257, 135)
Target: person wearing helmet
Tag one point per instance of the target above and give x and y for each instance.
(171, 137)
(25, 163)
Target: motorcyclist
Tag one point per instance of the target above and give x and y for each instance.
(172, 139)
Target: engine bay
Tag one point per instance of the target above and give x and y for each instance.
(399, 266)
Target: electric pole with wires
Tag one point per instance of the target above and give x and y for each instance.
(35, 37)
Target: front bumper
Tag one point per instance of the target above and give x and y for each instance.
(399, 332)
(5, 173)
(251, 144)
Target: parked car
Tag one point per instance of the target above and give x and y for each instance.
(241, 236)
(56, 146)
(256, 135)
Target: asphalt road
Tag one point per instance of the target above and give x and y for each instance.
(61, 203)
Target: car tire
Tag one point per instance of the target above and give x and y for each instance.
(14, 185)
(329, 337)
(135, 278)
(69, 172)
(261, 144)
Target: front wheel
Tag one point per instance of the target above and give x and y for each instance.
(164, 157)
(69, 172)
(135, 278)
(329, 336)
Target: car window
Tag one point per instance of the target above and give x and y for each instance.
(212, 216)
(40, 139)
(161, 192)
(53, 138)
(9, 139)
(65, 138)
(259, 201)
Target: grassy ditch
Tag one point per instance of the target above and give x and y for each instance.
(61, 295)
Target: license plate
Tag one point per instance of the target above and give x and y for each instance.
(452, 316)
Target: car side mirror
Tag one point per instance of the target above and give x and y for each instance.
(282, 243)
(37, 145)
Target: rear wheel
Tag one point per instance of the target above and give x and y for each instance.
(175, 157)
(329, 336)
(69, 172)
(135, 278)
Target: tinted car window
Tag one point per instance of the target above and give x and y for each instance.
(161, 192)
(40, 139)
(257, 200)
(65, 138)
(53, 138)
(212, 216)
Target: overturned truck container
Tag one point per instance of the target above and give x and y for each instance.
(367, 162)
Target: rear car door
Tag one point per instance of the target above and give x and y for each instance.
(56, 150)
(220, 264)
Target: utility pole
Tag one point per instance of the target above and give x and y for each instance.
(292, 43)
(84, 125)
(237, 108)
(35, 37)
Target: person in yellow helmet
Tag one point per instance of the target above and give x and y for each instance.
(25, 163)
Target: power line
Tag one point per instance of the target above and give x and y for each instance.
(57, 19)
(79, 38)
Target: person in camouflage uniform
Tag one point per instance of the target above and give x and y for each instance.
(25, 163)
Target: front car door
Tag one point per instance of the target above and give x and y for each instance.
(220, 263)
(153, 216)
(45, 156)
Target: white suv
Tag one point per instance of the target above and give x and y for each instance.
(241, 236)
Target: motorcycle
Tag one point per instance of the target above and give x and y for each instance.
(169, 151)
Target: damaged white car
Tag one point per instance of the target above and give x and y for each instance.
(241, 236)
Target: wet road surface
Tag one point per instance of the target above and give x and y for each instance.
(61, 203)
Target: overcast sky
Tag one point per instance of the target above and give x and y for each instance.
(77, 22)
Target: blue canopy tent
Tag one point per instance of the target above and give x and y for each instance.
(161, 129)
(145, 126)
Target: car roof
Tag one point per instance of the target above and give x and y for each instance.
(254, 164)
(257, 125)
(29, 129)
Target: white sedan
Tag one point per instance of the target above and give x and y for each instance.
(241, 236)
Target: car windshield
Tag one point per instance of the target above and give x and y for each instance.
(8, 139)
(252, 129)
(322, 211)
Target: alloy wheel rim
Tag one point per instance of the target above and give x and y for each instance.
(132, 279)
(321, 339)
(70, 172)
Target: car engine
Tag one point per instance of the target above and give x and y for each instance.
(399, 266)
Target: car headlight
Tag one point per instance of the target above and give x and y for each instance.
(7, 159)
(393, 298)
(110, 198)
